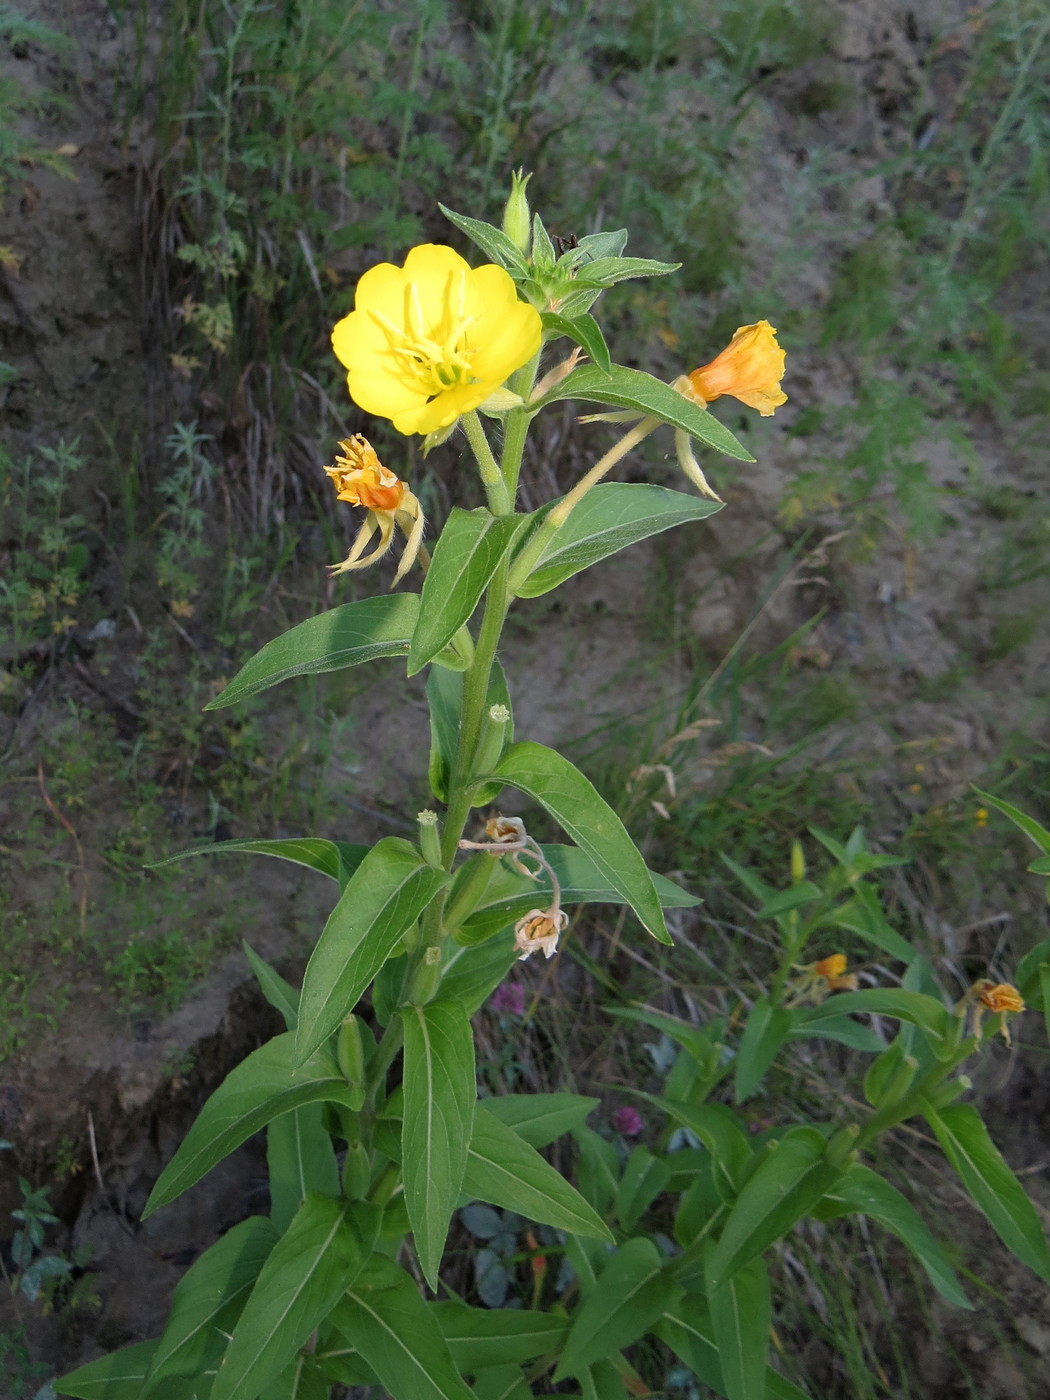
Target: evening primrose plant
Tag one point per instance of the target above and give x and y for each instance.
(655, 1255)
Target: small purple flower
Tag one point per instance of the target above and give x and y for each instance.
(628, 1121)
(508, 999)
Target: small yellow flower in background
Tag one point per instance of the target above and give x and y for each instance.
(360, 478)
(433, 339)
(998, 997)
(750, 369)
(980, 817)
(819, 979)
(539, 931)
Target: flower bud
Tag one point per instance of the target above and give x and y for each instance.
(517, 218)
(357, 1172)
(798, 863)
(350, 1057)
(425, 978)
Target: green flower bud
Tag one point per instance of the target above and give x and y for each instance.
(350, 1056)
(357, 1172)
(517, 218)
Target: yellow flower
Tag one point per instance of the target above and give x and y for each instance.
(539, 930)
(432, 340)
(997, 997)
(750, 368)
(360, 478)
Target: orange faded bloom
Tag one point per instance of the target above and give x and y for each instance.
(750, 368)
(818, 980)
(999, 996)
(361, 479)
(539, 930)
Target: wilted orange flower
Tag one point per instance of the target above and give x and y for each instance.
(539, 930)
(999, 997)
(361, 479)
(750, 368)
(819, 979)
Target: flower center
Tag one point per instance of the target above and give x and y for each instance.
(434, 355)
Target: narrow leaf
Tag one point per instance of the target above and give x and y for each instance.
(345, 636)
(644, 1177)
(719, 1130)
(916, 1008)
(336, 859)
(445, 700)
(492, 241)
(965, 1142)
(585, 331)
(440, 1093)
(387, 893)
(765, 1031)
(383, 1317)
(690, 1334)
(323, 1250)
(493, 1336)
(300, 1159)
(863, 1192)
(631, 388)
(630, 1294)
(1034, 830)
(465, 557)
(281, 995)
(118, 1376)
(208, 1299)
(540, 1118)
(505, 1171)
(560, 787)
(609, 518)
(741, 1314)
(271, 1081)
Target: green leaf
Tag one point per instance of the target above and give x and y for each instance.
(631, 388)
(1026, 974)
(718, 1129)
(118, 1376)
(540, 1118)
(1034, 830)
(472, 974)
(281, 995)
(345, 636)
(584, 331)
(383, 1317)
(794, 897)
(965, 1142)
(766, 1029)
(445, 699)
(863, 1192)
(509, 894)
(784, 1188)
(207, 1301)
(505, 1171)
(271, 1081)
(467, 554)
(440, 1093)
(863, 915)
(741, 1315)
(480, 1337)
(644, 1177)
(387, 893)
(605, 272)
(300, 1159)
(598, 1170)
(336, 859)
(502, 1383)
(492, 241)
(632, 1291)
(841, 1028)
(324, 1249)
(690, 1334)
(916, 1008)
(609, 518)
(560, 787)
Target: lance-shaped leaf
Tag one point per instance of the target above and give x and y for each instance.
(440, 1093)
(585, 331)
(491, 240)
(510, 894)
(324, 1249)
(609, 518)
(281, 995)
(383, 1317)
(465, 557)
(965, 1142)
(632, 1291)
(644, 1177)
(863, 915)
(863, 1192)
(445, 700)
(1034, 830)
(208, 1300)
(387, 893)
(741, 1314)
(479, 1337)
(631, 388)
(719, 1130)
(300, 1159)
(505, 1171)
(118, 1376)
(784, 1187)
(560, 787)
(766, 1029)
(540, 1118)
(916, 1008)
(472, 974)
(605, 272)
(345, 636)
(689, 1332)
(271, 1081)
(336, 859)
